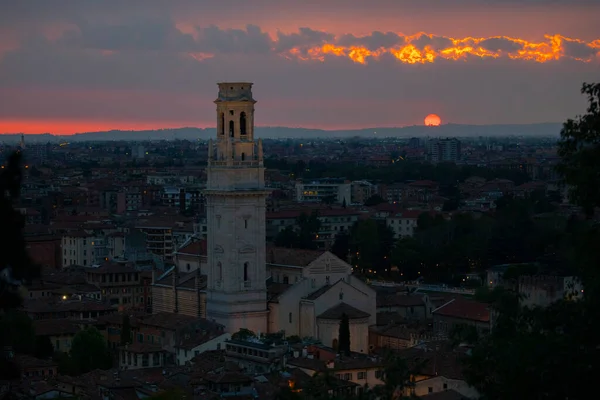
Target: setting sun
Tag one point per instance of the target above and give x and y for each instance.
(432, 120)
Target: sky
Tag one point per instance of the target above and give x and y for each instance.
(70, 66)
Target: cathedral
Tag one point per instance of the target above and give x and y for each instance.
(234, 277)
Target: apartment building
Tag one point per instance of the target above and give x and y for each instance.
(82, 248)
(333, 222)
(319, 191)
(121, 284)
(444, 150)
(362, 191)
(164, 235)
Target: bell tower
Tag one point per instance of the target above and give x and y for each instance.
(236, 294)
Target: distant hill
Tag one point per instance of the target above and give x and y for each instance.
(449, 130)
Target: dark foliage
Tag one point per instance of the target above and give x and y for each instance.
(344, 336)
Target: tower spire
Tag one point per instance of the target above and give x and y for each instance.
(236, 294)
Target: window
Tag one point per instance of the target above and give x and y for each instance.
(341, 295)
(218, 346)
(361, 375)
(220, 270)
(445, 386)
(290, 318)
(231, 128)
(327, 280)
(286, 280)
(140, 338)
(243, 129)
(347, 376)
(188, 266)
(246, 272)
(231, 112)
(245, 221)
(244, 158)
(430, 389)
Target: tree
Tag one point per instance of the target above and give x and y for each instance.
(303, 236)
(243, 334)
(43, 347)
(396, 378)
(126, 330)
(16, 266)
(552, 352)
(287, 237)
(17, 331)
(579, 150)
(374, 200)
(341, 245)
(308, 230)
(344, 336)
(89, 351)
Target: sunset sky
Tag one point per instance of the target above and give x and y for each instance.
(84, 65)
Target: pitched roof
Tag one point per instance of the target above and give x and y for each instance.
(292, 257)
(465, 309)
(336, 312)
(194, 248)
(445, 395)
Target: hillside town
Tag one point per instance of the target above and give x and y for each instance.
(244, 268)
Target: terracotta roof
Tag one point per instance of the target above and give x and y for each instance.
(194, 248)
(54, 327)
(323, 212)
(274, 290)
(141, 348)
(445, 395)
(292, 257)
(399, 300)
(111, 268)
(434, 362)
(228, 377)
(172, 321)
(336, 312)
(25, 361)
(465, 309)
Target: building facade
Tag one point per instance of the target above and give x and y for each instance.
(236, 203)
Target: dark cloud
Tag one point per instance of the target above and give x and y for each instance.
(250, 40)
(144, 35)
(373, 41)
(501, 44)
(305, 37)
(578, 50)
(435, 42)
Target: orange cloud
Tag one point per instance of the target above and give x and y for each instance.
(411, 50)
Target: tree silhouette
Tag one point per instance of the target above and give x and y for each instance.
(126, 330)
(579, 149)
(344, 336)
(16, 266)
(89, 351)
(552, 352)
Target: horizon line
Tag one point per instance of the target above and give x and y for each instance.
(280, 127)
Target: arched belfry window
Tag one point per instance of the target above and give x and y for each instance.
(243, 128)
(231, 126)
(222, 124)
(246, 272)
